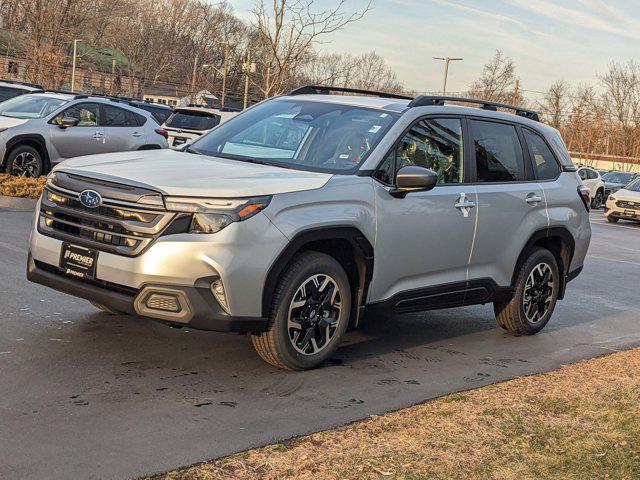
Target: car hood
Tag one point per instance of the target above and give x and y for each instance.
(7, 122)
(627, 195)
(188, 174)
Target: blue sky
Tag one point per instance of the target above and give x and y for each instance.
(572, 40)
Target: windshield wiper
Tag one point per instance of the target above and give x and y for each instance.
(191, 150)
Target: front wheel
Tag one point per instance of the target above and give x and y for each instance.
(309, 314)
(535, 296)
(24, 161)
(612, 219)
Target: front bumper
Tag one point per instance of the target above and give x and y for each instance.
(613, 210)
(199, 308)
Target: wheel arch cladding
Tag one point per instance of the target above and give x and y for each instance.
(560, 242)
(345, 244)
(33, 140)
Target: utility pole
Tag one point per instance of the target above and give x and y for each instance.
(516, 92)
(225, 72)
(446, 70)
(73, 68)
(248, 67)
(193, 79)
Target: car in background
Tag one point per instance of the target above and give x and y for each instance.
(624, 204)
(160, 111)
(13, 88)
(593, 181)
(39, 130)
(187, 124)
(615, 180)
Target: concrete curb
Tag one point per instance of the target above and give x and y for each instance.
(17, 203)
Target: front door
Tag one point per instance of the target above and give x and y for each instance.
(86, 138)
(424, 240)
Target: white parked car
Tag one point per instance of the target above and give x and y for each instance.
(593, 181)
(624, 204)
(187, 124)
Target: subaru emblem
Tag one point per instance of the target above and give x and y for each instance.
(90, 199)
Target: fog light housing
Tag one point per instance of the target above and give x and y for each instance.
(166, 303)
(217, 288)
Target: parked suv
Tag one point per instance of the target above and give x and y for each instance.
(306, 212)
(593, 181)
(40, 130)
(624, 204)
(187, 124)
(12, 88)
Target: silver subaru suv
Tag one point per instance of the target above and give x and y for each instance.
(39, 130)
(307, 212)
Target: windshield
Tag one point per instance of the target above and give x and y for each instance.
(317, 136)
(30, 106)
(617, 177)
(193, 120)
(633, 186)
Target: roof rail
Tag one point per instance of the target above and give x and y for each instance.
(432, 100)
(324, 90)
(26, 84)
(53, 90)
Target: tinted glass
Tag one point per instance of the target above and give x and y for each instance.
(118, 117)
(582, 174)
(436, 144)
(30, 106)
(87, 114)
(544, 163)
(8, 92)
(313, 135)
(499, 155)
(193, 121)
(591, 174)
(160, 114)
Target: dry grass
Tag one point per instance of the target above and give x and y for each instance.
(579, 422)
(21, 187)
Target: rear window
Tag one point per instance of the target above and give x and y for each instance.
(160, 114)
(617, 177)
(499, 156)
(193, 120)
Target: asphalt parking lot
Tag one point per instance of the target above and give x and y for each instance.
(86, 395)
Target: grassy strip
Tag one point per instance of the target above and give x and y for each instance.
(21, 186)
(579, 422)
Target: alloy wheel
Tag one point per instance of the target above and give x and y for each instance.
(25, 164)
(538, 292)
(314, 314)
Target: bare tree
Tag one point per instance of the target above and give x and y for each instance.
(497, 83)
(555, 104)
(286, 33)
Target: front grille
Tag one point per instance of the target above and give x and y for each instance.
(117, 226)
(628, 205)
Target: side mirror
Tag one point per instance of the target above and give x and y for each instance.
(414, 179)
(66, 122)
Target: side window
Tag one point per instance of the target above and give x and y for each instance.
(118, 117)
(436, 144)
(385, 173)
(582, 173)
(499, 156)
(87, 114)
(544, 163)
(591, 174)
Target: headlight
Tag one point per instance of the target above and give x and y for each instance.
(51, 178)
(210, 215)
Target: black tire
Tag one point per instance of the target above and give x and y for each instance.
(612, 219)
(276, 346)
(512, 315)
(596, 203)
(104, 308)
(24, 161)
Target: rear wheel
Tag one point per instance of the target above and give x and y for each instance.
(596, 203)
(24, 161)
(535, 296)
(309, 314)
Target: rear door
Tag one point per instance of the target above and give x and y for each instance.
(123, 130)
(86, 138)
(511, 204)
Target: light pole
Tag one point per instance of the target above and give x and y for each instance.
(248, 68)
(446, 70)
(73, 67)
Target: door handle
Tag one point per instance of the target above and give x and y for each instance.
(98, 135)
(533, 199)
(464, 205)
(136, 134)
